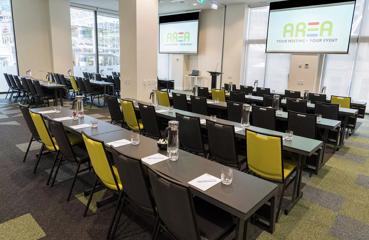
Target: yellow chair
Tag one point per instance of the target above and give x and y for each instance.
(163, 98)
(264, 159)
(129, 115)
(73, 82)
(343, 102)
(103, 167)
(218, 95)
(48, 142)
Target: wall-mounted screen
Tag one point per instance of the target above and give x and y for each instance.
(310, 26)
(179, 33)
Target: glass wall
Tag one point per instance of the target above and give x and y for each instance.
(108, 43)
(86, 45)
(8, 57)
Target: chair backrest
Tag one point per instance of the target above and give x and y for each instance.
(247, 89)
(234, 111)
(18, 82)
(27, 117)
(129, 114)
(98, 77)
(327, 110)
(62, 140)
(237, 96)
(263, 117)
(73, 82)
(297, 105)
(43, 131)
(223, 151)
(203, 92)
(57, 78)
(116, 83)
(199, 105)
(180, 101)
(264, 155)
(7, 80)
(229, 87)
(190, 137)
(109, 79)
(40, 92)
(303, 125)
(218, 95)
(262, 91)
(174, 206)
(114, 109)
(12, 82)
(101, 163)
(149, 120)
(88, 86)
(86, 75)
(267, 100)
(81, 85)
(316, 97)
(163, 98)
(135, 182)
(343, 102)
(62, 79)
(25, 85)
(31, 87)
(292, 94)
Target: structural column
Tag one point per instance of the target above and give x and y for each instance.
(138, 47)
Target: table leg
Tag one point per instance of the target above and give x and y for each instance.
(55, 96)
(61, 97)
(297, 193)
(241, 232)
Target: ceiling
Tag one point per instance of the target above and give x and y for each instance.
(167, 6)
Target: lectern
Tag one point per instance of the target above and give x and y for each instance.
(214, 77)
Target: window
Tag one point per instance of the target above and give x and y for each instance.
(108, 44)
(86, 45)
(8, 56)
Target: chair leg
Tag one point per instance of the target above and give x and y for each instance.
(52, 168)
(280, 203)
(90, 198)
(156, 234)
(156, 226)
(39, 158)
(29, 145)
(118, 211)
(74, 181)
(57, 170)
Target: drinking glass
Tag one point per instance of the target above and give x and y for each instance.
(319, 117)
(275, 104)
(289, 135)
(135, 138)
(226, 175)
(213, 118)
(173, 141)
(94, 123)
(245, 115)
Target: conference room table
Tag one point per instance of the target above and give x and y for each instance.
(243, 198)
(301, 146)
(57, 89)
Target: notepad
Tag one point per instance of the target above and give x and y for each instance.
(63, 119)
(49, 111)
(203, 121)
(155, 158)
(210, 101)
(236, 129)
(204, 182)
(119, 143)
(162, 110)
(85, 125)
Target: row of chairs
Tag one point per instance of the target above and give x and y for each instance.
(133, 182)
(225, 152)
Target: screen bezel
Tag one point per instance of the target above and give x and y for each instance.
(185, 17)
(297, 4)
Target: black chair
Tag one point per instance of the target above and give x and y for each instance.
(91, 92)
(237, 96)
(33, 91)
(234, 111)
(81, 85)
(86, 75)
(303, 125)
(31, 127)
(136, 190)
(248, 90)
(223, 151)
(149, 120)
(327, 110)
(228, 87)
(21, 90)
(180, 101)
(262, 91)
(203, 92)
(316, 97)
(13, 84)
(268, 100)
(263, 117)
(26, 88)
(42, 96)
(292, 94)
(184, 217)
(199, 105)
(57, 78)
(190, 137)
(10, 90)
(297, 105)
(98, 77)
(76, 154)
(116, 114)
(117, 85)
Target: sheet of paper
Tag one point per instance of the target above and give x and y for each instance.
(204, 182)
(210, 101)
(237, 129)
(203, 121)
(162, 110)
(60, 119)
(119, 143)
(155, 158)
(49, 111)
(84, 125)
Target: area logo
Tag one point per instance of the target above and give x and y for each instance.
(178, 37)
(309, 29)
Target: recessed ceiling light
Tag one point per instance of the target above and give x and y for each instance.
(214, 6)
(195, 4)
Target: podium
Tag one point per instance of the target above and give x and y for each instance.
(214, 77)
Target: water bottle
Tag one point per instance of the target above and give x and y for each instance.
(79, 109)
(245, 115)
(173, 142)
(275, 104)
(256, 82)
(306, 94)
(154, 100)
(230, 86)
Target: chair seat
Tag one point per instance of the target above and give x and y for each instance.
(289, 167)
(113, 186)
(213, 222)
